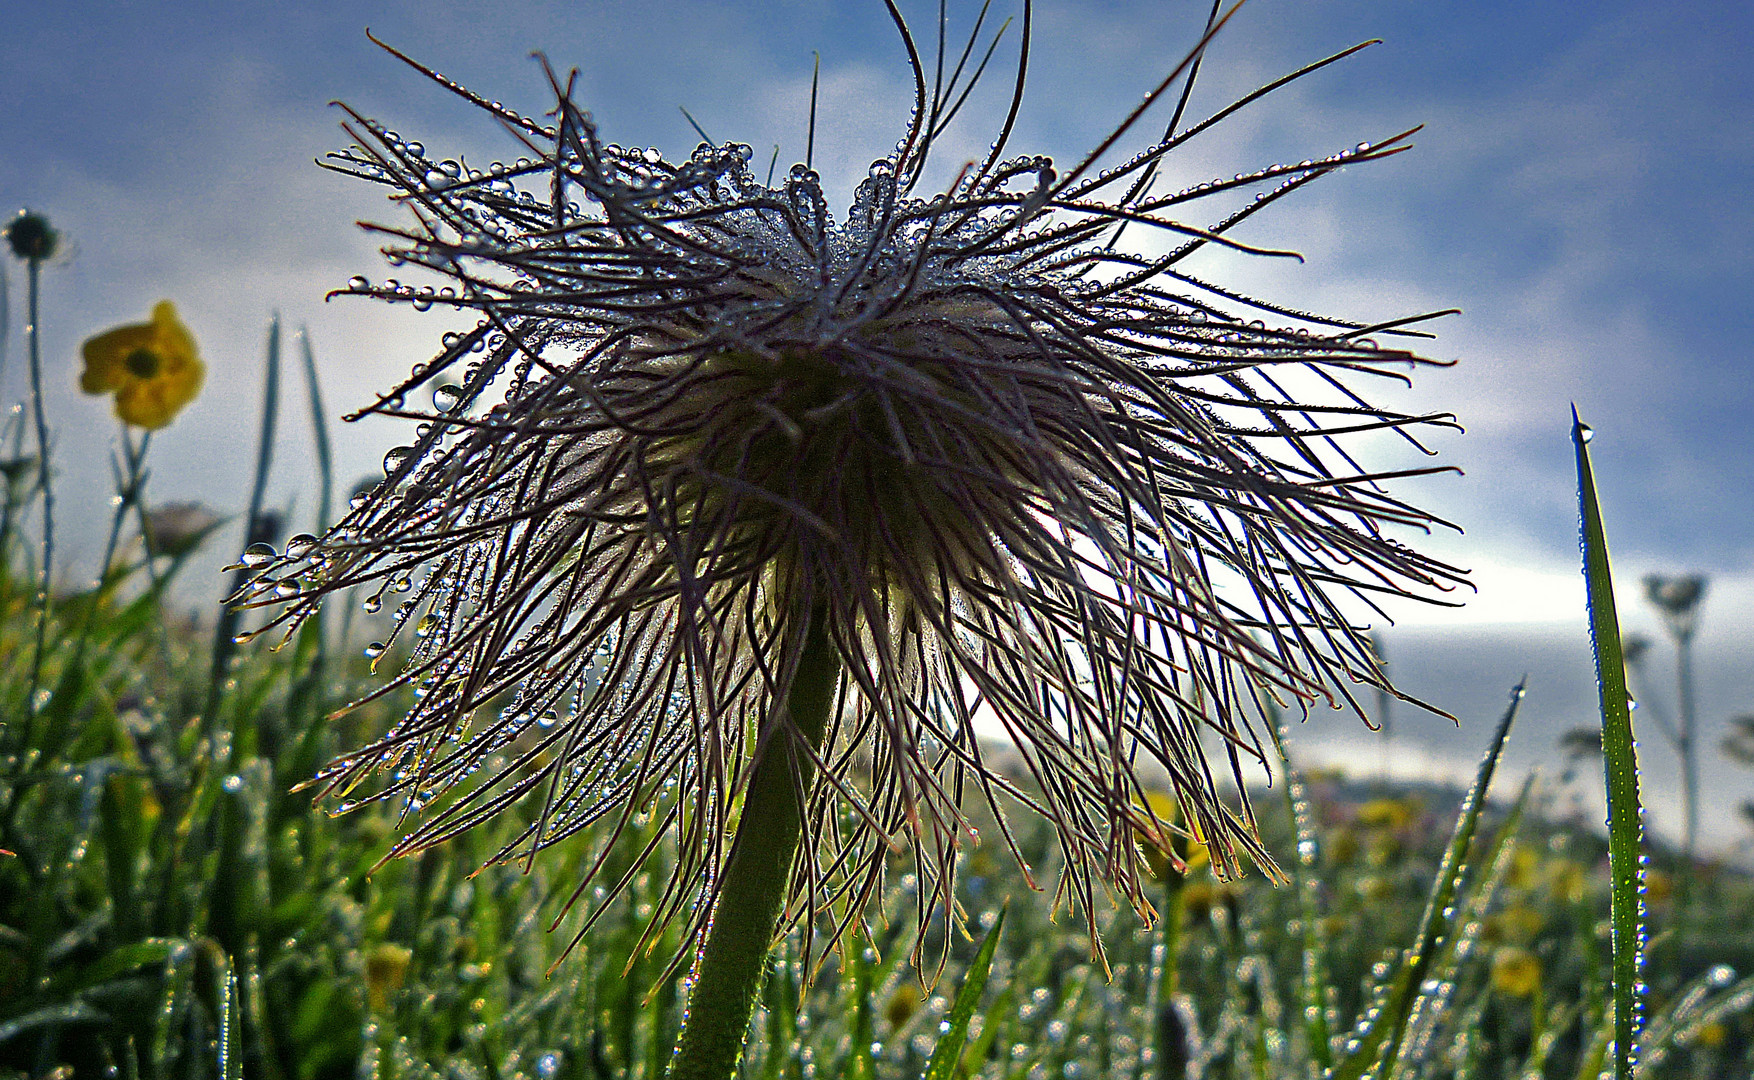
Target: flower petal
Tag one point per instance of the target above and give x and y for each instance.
(106, 355)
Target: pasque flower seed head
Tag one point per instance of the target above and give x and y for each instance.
(1028, 481)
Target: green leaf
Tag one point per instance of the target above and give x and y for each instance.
(54, 1016)
(946, 1054)
(1620, 761)
(119, 960)
(1378, 1039)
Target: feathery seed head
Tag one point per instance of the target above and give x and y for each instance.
(1005, 464)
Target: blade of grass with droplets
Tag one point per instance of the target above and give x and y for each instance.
(1431, 1010)
(1620, 762)
(229, 616)
(948, 1052)
(1378, 1037)
(314, 638)
(1317, 1025)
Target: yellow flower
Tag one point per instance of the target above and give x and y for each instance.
(1525, 867)
(1517, 922)
(151, 367)
(386, 968)
(902, 1005)
(1395, 814)
(1658, 887)
(1516, 972)
(1568, 880)
(1158, 859)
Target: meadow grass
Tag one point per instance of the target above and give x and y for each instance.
(169, 908)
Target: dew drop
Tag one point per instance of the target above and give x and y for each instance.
(375, 650)
(358, 281)
(301, 546)
(447, 397)
(395, 459)
(257, 556)
(1585, 432)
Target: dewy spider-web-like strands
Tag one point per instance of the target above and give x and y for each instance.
(996, 459)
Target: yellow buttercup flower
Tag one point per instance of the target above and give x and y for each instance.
(1191, 852)
(386, 968)
(1516, 972)
(152, 368)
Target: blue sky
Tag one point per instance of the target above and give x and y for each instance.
(1580, 190)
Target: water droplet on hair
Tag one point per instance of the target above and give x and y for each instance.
(447, 397)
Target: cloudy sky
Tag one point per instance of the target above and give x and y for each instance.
(1580, 189)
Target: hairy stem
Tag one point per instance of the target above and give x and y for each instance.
(729, 972)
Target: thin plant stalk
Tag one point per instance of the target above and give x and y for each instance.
(1687, 747)
(728, 973)
(128, 488)
(33, 338)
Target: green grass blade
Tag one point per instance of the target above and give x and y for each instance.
(948, 1052)
(228, 619)
(1431, 1011)
(1620, 760)
(1317, 1028)
(1378, 1037)
(319, 432)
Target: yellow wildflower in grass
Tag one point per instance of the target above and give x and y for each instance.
(1518, 922)
(1516, 972)
(151, 367)
(1173, 851)
(1658, 887)
(1568, 880)
(386, 969)
(1525, 870)
(901, 1006)
(1395, 814)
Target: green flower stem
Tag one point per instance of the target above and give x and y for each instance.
(34, 335)
(729, 972)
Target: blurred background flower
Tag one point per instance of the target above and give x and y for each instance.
(152, 368)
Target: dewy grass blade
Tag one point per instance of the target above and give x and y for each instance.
(1620, 759)
(1378, 1037)
(319, 433)
(1317, 1025)
(223, 645)
(948, 1052)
